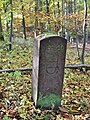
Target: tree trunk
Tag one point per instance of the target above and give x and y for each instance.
(40, 5)
(58, 5)
(11, 27)
(62, 18)
(24, 28)
(77, 38)
(23, 22)
(1, 30)
(47, 11)
(84, 31)
(77, 42)
(55, 26)
(41, 22)
(65, 21)
(5, 7)
(36, 18)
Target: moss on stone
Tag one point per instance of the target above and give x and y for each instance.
(49, 101)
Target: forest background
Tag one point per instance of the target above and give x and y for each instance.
(20, 22)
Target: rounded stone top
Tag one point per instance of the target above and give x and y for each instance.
(43, 37)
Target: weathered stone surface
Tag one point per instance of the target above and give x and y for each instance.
(48, 68)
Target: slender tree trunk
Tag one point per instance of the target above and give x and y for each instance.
(1, 30)
(77, 38)
(84, 31)
(36, 18)
(24, 28)
(47, 11)
(40, 5)
(54, 7)
(63, 34)
(47, 7)
(5, 6)
(65, 19)
(7, 26)
(55, 26)
(58, 5)
(23, 22)
(71, 7)
(11, 27)
(41, 22)
(62, 18)
(77, 42)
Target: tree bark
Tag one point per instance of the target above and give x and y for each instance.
(36, 18)
(11, 27)
(1, 30)
(23, 22)
(24, 28)
(84, 31)
(76, 34)
(62, 18)
(47, 11)
(5, 7)
(58, 5)
(41, 22)
(77, 42)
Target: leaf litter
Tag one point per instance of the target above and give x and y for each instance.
(15, 90)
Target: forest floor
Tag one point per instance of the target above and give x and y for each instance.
(15, 88)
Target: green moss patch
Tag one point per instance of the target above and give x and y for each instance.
(49, 101)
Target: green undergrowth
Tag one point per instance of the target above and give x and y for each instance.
(49, 101)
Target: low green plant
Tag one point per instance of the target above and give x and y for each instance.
(50, 101)
(6, 117)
